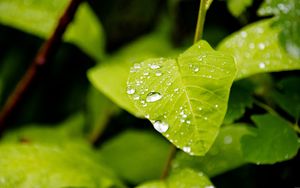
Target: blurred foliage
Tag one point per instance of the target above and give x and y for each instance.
(68, 132)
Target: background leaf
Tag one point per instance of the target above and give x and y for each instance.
(256, 50)
(237, 7)
(185, 98)
(240, 98)
(185, 178)
(71, 165)
(118, 67)
(224, 155)
(272, 141)
(40, 18)
(287, 19)
(136, 156)
(288, 96)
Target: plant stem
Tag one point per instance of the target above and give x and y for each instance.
(168, 163)
(200, 21)
(46, 51)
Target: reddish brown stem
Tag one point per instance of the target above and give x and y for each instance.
(46, 51)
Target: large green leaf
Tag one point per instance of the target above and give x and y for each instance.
(237, 7)
(40, 18)
(272, 141)
(136, 156)
(287, 19)
(48, 166)
(104, 77)
(185, 98)
(184, 178)
(256, 50)
(224, 155)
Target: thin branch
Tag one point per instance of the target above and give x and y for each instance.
(46, 51)
(168, 163)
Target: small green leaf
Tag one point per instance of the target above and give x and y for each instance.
(272, 141)
(287, 19)
(48, 166)
(288, 98)
(224, 155)
(256, 50)
(240, 98)
(136, 156)
(237, 7)
(40, 18)
(184, 178)
(118, 66)
(185, 98)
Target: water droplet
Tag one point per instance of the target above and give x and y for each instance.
(154, 66)
(209, 186)
(196, 69)
(200, 108)
(176, 89)
(130, 91)
(153, 97)
(160, 126)
(216, 106)
(137, 66)
(227, 139)
(136, 97)
(147, 116)
(244, 34)
(261, 46)
(186, 149)
(146, 73)
(188, 121)
(262, 65)
(158, 73)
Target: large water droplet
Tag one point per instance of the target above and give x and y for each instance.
(130, 91)
(160, 126)
(153, 97)
(158, 73)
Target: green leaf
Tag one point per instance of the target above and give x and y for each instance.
(287, 19)
(272, 141)
(185, 98)
(224, 155)
(136, 156)
(237, 7)
(70, 129)
(240, 98)
(98, 113)
(256, 50)
(34, 165)
(40, 18)
(118, 66)
(288, 97)
(184, 178)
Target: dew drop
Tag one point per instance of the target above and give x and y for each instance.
(244, 34)
(153, 97)
(137, 66)
(176, 89)
(158, 73)
(160, 126)
(130, 91)
(186, 149)
(136, 97)
(154, 66)
(261, 46)
(227, 139)
(188, 121)
(196, 69)
(146, 73)
(262, 65)
(216, 106)
(147, 116)
(209, 186)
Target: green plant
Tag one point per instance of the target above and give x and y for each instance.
(217, 109)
